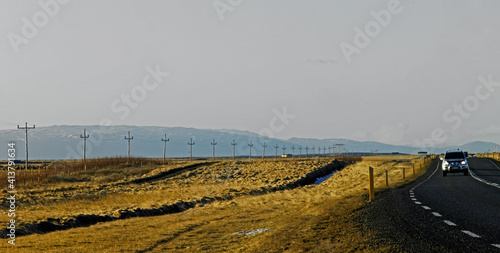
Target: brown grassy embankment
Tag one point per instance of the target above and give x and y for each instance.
(248, 199)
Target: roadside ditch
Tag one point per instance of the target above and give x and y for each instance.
(85, 220)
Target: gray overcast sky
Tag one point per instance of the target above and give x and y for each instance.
(412, 74)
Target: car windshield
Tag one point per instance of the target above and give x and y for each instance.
(455, 155)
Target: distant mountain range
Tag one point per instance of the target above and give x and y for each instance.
(64, 142)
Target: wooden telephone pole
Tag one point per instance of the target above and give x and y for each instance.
(234, 145)
(264, 150)
(26, 128)
(191, 143)
(165, 147)
(213, 143)
(250, 145)
(85, 136)
(128, 144)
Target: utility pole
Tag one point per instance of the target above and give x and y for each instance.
(128, 146)
(324, 150)
(300, 151)
(26, 128)
(213, 143)
(341, 146)
(85, 137)
(191, 143)
(307, 151)
(313, 148)
(250, 145)
(264, 150)
(293, 151)
(234, 144)
(276, 154)
(165, 146)
(329, 150)
(284, 148)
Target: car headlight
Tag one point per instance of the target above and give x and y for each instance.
(445, 163)
(464, 162)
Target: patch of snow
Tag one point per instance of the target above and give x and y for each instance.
(252, 232)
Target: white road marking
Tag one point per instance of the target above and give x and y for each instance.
(469, 233)
(494, 164)
(484, 180)
(449, 223)
(412, 189)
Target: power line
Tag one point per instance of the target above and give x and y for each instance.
(128, 143)
(341, 149)
(26, 128)
(191, 143)
(234, 145)
(165, 146)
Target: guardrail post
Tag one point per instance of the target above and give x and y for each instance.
(386, 178)
(372, 190)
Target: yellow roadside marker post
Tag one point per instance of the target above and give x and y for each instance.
(372, 190)
(386, 179)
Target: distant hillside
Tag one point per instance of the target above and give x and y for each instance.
(475, 147)
(64, 142)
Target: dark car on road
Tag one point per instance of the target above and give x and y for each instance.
(455, 162)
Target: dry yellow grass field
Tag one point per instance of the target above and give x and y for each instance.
(249, 207)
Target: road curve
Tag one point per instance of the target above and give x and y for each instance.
(456, 213)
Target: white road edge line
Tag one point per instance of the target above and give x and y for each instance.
(496, 245)
(418, 203)
(483, 180)
(449, 223)
(494, 164)
(437, 214)
(469, 233)
(415, 187)
(426, 207)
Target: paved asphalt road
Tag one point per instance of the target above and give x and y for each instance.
(456, 213)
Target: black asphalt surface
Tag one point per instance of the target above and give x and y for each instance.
(456, 213)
